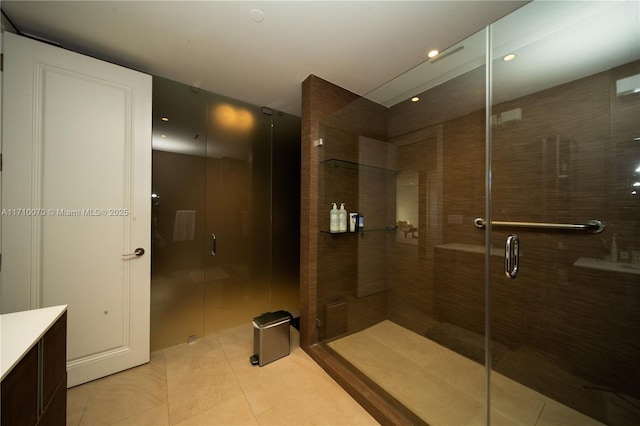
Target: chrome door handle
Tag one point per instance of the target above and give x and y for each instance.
(137, 252)
(213, 244)
(512, 256)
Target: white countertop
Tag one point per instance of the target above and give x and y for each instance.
(20, 331)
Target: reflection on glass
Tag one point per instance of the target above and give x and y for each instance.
(212, 205)
(407, 206)
(567, 159)
(563, 335)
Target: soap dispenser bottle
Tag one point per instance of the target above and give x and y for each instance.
(342, 219)
(333, 219)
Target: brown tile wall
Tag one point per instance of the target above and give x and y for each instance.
(556, 328)
(333, 259)
(567, 161)
(319, 99)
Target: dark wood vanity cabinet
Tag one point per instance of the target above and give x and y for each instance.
(20, 392)
(34, 392)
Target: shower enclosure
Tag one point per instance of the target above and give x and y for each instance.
(497, 277)
(225, 213)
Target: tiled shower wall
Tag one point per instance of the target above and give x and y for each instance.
(563, 162)
(563, 330)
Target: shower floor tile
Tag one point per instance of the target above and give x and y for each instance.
(443, 387)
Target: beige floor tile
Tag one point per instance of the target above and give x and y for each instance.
(179, 354)
(317, 377)
(443, 364)
(116, 402)
(309, 407)
(123, 395)
(265, 386)
(514, 400)
(237, 343)
(433, 400)
(157, 416)
(555, 413)
(443, 387)
(366, 353)
(413, 346)
(212, 382)
(419, 389)
(199, 378)
(461, 373)
(77, 398)
(497, 419)
(235, 411)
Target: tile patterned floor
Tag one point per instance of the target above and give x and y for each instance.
(443, 387)
(211, 382)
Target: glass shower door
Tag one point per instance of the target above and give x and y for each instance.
(237, 273)
(178, 208)
(565, 150)
(402, 300)
(211, 250)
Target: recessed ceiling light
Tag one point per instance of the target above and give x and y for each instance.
(165, 119)
(509, 57)
(433, 53)
(163, 136)
(415, 99)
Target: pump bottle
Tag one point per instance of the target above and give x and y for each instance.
(333, 219)
(342, 219)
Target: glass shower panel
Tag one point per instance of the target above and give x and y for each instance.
(178, 213)
(403, 299)
(237, 276)
(566, 150)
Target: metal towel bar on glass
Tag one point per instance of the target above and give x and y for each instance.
(592, 226)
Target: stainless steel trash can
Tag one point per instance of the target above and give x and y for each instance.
(271, 337)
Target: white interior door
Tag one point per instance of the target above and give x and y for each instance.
(76, 200)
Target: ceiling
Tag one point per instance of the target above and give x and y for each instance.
(259, 51)
(554, 42)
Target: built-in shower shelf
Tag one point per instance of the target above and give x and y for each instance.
(605, 265)
(386, 228)
(357, 166)
(471, 248)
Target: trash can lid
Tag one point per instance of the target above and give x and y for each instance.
(271, 318)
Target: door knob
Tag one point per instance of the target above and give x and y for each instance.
(137, 252)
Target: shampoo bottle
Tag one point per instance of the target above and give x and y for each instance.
(333, 219)
(342, 219)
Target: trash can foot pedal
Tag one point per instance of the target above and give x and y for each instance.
(254, 360)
